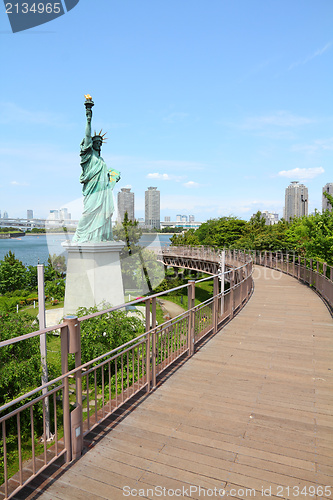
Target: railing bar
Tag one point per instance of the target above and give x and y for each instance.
(116, 382)
(95, 382)
(133, 364)
(19, 447)
(127, 392)
(26, 405)
(102, 368)
(44, 432)
(122, 378)
(138, 367)
(5, 458)
(88, 409)
(110, 392)
(32, 440)
(55, 423)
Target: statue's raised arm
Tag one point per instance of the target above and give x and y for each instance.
(89, 103)
(98, 181)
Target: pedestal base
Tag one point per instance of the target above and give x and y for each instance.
(93, 275)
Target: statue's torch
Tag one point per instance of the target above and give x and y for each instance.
(89, 103)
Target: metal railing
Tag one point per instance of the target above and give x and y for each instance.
(81, 398)
(316, 274)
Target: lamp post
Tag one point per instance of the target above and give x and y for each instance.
(43, 347)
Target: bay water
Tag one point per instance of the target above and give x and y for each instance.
(34, 249)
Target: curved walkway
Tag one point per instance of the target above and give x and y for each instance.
(250, 410)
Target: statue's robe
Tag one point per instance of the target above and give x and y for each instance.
(98, 182)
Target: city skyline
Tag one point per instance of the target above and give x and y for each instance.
(219, 112)
(126, 202)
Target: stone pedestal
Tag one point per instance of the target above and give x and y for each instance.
(93, 275)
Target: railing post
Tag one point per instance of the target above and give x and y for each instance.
(153, 343)
(331, 273)
(265, 258)
(215, 303)
(324, 269)
(65, 394)
(299, 268)
(191, 303)
(294, 265)
(311, 272)
(232, 284)
(287, 258)
(271, 259)
(76, 419)
(148, 373)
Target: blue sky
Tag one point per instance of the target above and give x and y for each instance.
(218, 103)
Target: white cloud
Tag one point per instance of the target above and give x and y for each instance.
(302, 173)
(11, 113)
(278, 119)
(15, 183)
(317, 145)
(191, 184)
(175, 117)
(160, 177)
(164, 177)
(308, 58)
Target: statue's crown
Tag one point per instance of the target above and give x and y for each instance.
(100, 136)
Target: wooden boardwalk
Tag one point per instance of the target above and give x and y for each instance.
(250, 410)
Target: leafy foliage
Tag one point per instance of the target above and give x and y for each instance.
(12, 273)
(106, 332)
(139, 266)
(20, 362)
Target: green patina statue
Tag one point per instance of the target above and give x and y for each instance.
(98, 182)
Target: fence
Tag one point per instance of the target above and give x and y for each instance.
(80, 399)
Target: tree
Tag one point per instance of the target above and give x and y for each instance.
(312, 236)
(106, 332)
(221, 232)
(12, 273)
(19, 362)
(132, 256)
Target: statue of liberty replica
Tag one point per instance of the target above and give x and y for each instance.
(98, 182)
(93, 268)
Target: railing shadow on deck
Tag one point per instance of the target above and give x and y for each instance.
(79, 400)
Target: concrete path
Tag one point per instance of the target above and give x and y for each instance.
(171, 308)
(250, 413)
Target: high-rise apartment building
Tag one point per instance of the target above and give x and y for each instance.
(30, 214)
(296, 201)
(191, 218)
(5, 215)
(64, 214)
(125, 204)
(328, 188)
(152, 208)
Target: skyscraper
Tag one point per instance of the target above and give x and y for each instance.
(296, 201)
(30, 214)
(328, 188)
(125, 204)
(152, 208)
